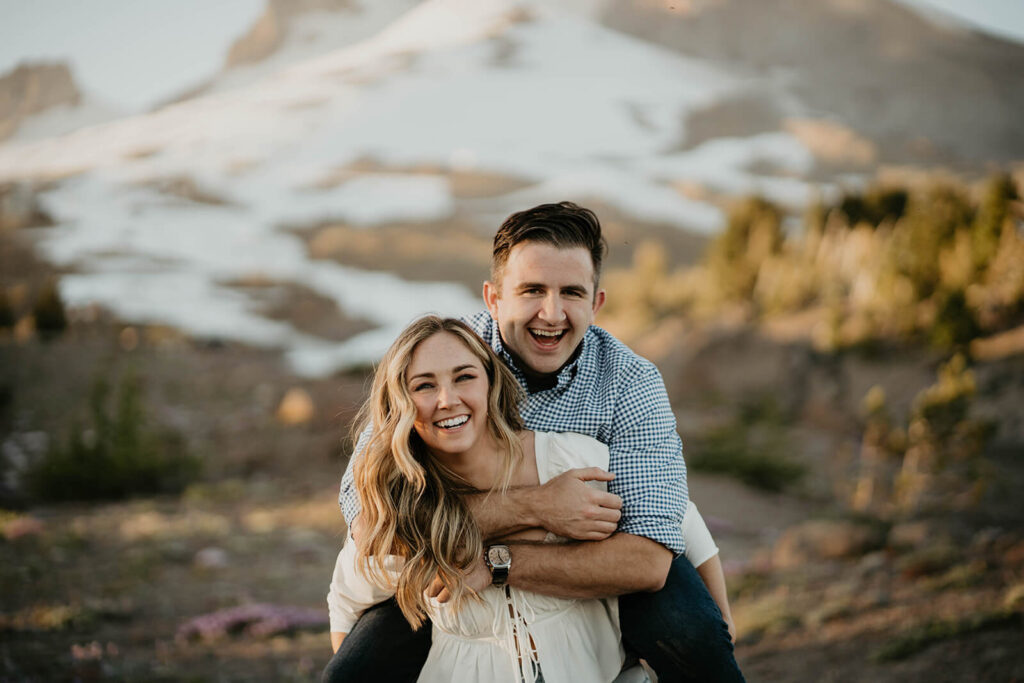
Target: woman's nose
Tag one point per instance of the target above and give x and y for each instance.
(446, 397)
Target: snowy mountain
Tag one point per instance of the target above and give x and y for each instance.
(657, 113)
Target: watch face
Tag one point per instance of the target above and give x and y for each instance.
(499, 555)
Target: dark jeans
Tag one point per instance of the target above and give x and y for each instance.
(678, 630)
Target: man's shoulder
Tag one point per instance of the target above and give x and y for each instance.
(482, 324)
(610, 356)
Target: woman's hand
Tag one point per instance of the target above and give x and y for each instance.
(476, 578)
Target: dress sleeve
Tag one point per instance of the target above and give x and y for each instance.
(351, 593)
(560, 452)
(700, 546)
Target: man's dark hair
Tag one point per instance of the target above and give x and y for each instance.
(563, 225)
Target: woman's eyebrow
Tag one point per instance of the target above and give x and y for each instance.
(464, 367)
(422, 374)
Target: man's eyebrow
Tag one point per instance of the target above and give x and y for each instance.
(531, 285)
(576, 289)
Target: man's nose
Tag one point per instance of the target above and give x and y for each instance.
(551, 311)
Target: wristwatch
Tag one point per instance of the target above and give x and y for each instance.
(499, 559)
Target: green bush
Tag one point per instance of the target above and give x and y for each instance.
(992, 214)
(115, 456)
(874, 206)
(955, 324)
(7, 315)
(751, 448)
(936, 462)
(48, 311)
(752, 234)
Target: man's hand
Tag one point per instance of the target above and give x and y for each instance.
(476, 579)
(566, 506)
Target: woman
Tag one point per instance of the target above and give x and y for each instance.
(445, 423)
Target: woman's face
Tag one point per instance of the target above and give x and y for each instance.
(449, 387)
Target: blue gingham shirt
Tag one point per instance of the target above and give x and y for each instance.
(615, 396)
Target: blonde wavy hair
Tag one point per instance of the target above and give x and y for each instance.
(412, 505)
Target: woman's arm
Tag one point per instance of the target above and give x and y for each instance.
(351, 593)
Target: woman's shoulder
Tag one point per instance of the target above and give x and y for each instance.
(561, 451)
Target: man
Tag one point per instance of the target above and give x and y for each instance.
(541, 299)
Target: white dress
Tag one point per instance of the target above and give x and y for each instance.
(576, 641)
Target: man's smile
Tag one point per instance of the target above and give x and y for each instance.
(547, 337)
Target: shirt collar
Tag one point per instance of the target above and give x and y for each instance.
(565, 375)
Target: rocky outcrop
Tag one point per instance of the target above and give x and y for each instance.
(820, 539)
(267, 34)
(33, 88)
(20, 207)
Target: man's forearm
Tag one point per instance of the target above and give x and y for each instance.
(623, 563)
(566, 505)
(501, 514)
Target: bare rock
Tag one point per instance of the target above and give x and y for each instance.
(33, 88)
(268, 32)
(823, 540)
(296, 407)
(19, 206)
(909, 535)
(211, 558)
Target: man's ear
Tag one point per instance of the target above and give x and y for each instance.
(492, 293)
(598, 301)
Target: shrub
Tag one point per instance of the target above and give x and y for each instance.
(7, 315)
(752, 234)
(751, 448)
(992, 214)
(115, 456)
(936, 462)
(49, 311)
(955, 324)
(874, 206)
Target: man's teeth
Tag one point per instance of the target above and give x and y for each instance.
(452, 422)
(548, 333)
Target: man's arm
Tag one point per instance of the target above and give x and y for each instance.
(565, 506)
(645, 455)
(621, 564)
(348, 499)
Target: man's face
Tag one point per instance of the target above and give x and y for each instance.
(544, 303)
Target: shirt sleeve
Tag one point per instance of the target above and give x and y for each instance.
(646, 456)
(348, 499)
(351, 593)
(700, 546)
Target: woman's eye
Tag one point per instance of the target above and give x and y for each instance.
(421, 387)
(462, 378)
